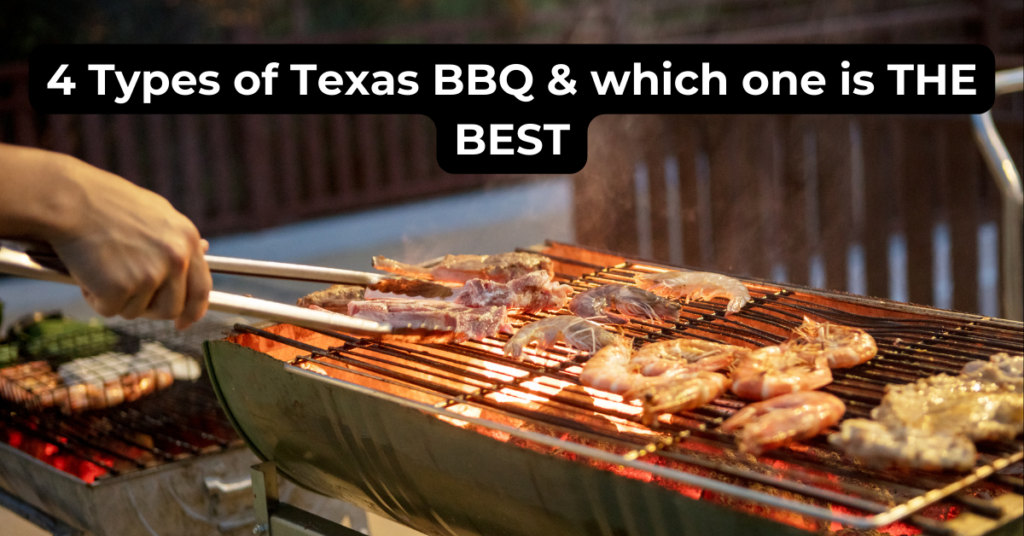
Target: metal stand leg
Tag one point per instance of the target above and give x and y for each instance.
(275, 518)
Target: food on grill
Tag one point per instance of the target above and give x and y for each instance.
(931, 423)
(502, 267)
(658, 357)
(595, 304)
(677, 389)
(335, 298)
(953, 405)
(467, 322)
(777, 370)
(1002, 369)
(696, 286)
(530, 293)
(843, 346)
(581, 334)
(881, 447)
(784, 419)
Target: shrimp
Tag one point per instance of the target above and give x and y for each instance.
(658, 357)
(843, 346)
(612, 369)
(777, 370)
(784, 419)
(696, 286)
(677, 390)
(581, 334)
(594, 304)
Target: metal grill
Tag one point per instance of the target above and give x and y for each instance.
(538, 403)
(185, 420)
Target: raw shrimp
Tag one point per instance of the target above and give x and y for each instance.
(784, 419)
(595, 303)
(678, 390)
(576, 332)
(696, 286)
(502, 267)
(658, 357)
(776, 370)
(843, 346)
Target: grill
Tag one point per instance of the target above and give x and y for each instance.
(459, 439)
(169, 462)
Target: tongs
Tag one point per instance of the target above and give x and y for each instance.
(46, 266)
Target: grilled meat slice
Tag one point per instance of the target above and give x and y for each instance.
(333, 299)
(881, 447)
(1002, 369)
(530, 293)
(467, 322)
(953, 405)
(502, 267)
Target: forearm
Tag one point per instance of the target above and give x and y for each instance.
(39, 198)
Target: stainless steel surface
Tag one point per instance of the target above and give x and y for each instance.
(301, 272)
(1007, 178)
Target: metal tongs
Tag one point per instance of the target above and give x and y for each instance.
(44, 265)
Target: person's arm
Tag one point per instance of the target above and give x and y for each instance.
(132, 253)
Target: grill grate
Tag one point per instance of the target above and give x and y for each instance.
(182, 421)
(473, 385)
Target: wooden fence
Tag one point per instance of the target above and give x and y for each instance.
(891, 206)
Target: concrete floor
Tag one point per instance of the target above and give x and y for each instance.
(489, 221)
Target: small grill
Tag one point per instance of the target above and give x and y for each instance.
(169, 463)
(600, 470)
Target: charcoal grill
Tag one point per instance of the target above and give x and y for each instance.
(458, 439)
(167, 464)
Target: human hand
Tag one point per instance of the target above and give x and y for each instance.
(132, 253)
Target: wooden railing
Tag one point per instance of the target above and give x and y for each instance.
(889, 206)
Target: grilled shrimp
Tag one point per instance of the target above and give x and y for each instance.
(843, 346)
(609, 369)
(784, 419)
(612, 369)
(658, 357)
(677, 390)
(594, 304)
(696, 286)
(777, 370)
(581, 334)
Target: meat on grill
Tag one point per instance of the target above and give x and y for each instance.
(881, 447)
(530, 293)
(467, 322)
(843, 346)
(930, 424)
(596, 304)
(1002, 369)
(581, 334)
(502, 267)
(784, 419)
(696, 286)
(953, 405)
(335, 298)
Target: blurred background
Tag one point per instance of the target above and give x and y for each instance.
(891, 206)
(899, 207)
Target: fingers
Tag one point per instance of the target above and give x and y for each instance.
(197, 295)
